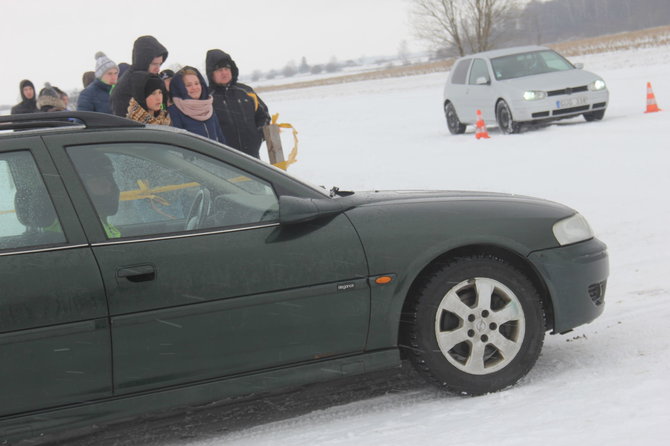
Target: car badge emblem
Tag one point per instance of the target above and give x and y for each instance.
(345, 286)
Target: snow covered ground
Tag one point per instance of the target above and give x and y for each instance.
(604, 383)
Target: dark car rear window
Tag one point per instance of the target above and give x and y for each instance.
(460, 71)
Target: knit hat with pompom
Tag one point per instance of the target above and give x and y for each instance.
(103, 64)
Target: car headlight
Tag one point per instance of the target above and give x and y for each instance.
(597, 85)
(572, 230)
(534, 95)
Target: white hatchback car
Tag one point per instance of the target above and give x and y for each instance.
(521, 85)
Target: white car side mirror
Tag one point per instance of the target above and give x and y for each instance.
(579, 65)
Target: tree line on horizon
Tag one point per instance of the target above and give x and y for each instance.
(460, 27)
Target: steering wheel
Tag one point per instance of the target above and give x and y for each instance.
(199, 209)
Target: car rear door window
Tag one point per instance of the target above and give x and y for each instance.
(142, 189)
(479, 70)
(460, 71)
(27, 214)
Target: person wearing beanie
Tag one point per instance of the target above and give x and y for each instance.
(146, 102)
(49, 99)
(148, 55)
(242, 114)
(167, 76)
(28, 102)
(96, 97)
(192, 105)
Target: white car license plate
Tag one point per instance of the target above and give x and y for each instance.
(571, 102)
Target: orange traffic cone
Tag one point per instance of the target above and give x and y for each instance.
(481, 131)
(651, 100)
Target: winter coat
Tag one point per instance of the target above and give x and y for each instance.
(145, 49)
(26, 105)
(209, 128)
(242, 114)
(95, 98)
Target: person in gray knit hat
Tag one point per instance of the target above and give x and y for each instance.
(95, 97)
(49, 100)
(103, 64)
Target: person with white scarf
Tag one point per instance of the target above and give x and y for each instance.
(192, 105)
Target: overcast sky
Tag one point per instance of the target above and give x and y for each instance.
(55, 41)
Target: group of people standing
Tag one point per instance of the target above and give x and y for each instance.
(50, 99)
(221, 109)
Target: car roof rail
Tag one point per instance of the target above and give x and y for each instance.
(90, 120)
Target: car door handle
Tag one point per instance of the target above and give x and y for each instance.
(139, 273)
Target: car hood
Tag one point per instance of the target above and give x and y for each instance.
(553, 81)
(392, 197)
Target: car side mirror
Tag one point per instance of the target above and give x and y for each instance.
(483, 81)
(294, 210)
(579, 65)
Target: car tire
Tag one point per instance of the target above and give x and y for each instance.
(474, 325)
(453, 123)
(504, 118)
(594, 116)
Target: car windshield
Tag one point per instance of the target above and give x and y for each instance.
(529, 64)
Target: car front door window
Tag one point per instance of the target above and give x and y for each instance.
(142, 189)
(478, 72)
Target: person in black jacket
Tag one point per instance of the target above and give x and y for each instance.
(241, 112)
(148, 55)
(95, 97)
(28, 102)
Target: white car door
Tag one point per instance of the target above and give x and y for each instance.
(456, 89)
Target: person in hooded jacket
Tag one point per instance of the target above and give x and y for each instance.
(242, 114)
(28, 102)
(146, 103)
(192, 105)
(148, 55)
(95, 97)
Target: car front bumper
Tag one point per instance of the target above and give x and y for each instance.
(560, 106)
(576, 277)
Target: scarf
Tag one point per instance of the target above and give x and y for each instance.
(139, 114)
(198, 109)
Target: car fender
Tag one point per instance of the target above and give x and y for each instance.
(403, 240)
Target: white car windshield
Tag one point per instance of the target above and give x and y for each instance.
(529, 64)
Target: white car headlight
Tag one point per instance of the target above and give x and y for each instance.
(597, 85)
(534, 95)
(572, 230)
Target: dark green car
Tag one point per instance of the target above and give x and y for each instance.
(145, 268)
